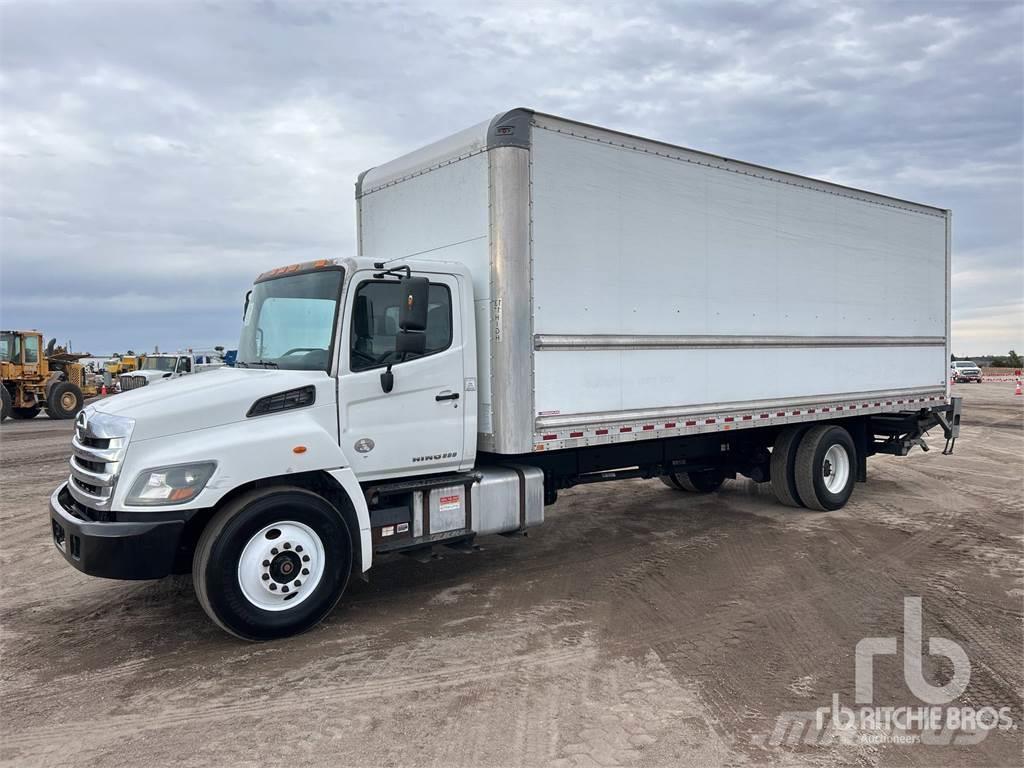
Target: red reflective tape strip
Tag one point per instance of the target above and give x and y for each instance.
(851, 407)
(780, 413)
(625, 429)
(648, 427)
(601, 432)
(810, 410)
(729, 418)
(709, 421)
(839, 407)
(575, 434)
(764, 415)
(670, 425)
(877, 405)
(550, 437)
(691, 423)
(824, 410)
(796, 413)
(748, 417)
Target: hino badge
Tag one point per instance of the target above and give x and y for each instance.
(536, 303)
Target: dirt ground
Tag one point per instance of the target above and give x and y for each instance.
(639, 626)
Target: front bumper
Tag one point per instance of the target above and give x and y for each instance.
(113, 550)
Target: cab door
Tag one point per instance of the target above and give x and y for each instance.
(32, 352)
(417, 427)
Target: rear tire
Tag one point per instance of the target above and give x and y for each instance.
(705, 481)
(783, 465)
(241, 556)
(64, 400)
(25, 413)
(825, 468)
(5, 402)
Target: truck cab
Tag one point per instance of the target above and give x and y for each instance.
(156, 368)
(347, 427)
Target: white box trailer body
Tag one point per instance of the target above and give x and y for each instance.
(628, 289)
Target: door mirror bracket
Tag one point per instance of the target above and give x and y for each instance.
(387, 380)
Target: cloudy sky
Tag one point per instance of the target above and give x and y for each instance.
(157, 156)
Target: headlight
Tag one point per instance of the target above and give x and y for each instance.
(170, 485)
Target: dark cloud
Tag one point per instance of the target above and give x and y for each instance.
(155, 157)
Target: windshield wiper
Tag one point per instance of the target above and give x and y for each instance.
(263, 363)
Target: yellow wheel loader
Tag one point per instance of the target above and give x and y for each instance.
(34, 377)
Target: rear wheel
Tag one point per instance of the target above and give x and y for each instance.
(824, 470)
(272, 563)
(5, 402)
(64, 400)
(783, 463)
(25, 413)
(705, 481)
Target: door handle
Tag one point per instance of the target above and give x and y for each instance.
(449, 396)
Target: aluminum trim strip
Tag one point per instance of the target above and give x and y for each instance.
(550, 423)
(102, 455)
(579, 342)
(87, 499)
(102, 480)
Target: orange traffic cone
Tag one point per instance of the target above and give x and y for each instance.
(1018, 388)
(103, 389)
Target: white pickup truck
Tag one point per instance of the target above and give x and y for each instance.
(536, 304)
(963, 371)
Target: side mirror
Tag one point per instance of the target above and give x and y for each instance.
(409, 343)
(412, 312)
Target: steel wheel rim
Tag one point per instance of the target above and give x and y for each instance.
(67, 400)
(835, 468)
(281, 566)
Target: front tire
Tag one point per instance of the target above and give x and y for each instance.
(25, 413)
(272, 563)
(64, 400)
(825, 468)
(5, 402)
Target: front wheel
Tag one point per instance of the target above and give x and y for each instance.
(272, 563)
(64, 400)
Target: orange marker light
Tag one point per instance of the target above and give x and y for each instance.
(299, 449)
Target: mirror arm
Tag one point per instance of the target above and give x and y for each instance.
(387, 380)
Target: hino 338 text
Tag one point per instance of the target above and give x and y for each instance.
(535, 303)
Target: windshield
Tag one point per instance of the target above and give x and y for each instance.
(964, 364)
(159, 364)
(289, 322)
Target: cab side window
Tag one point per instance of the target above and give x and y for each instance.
(31, 349)
(184, 365)
(375, 323)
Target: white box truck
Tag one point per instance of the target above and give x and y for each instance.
(536, 303)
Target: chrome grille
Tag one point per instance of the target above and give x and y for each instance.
(96, 456)
(130, 381)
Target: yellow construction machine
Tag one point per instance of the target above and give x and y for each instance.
(34, 377)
